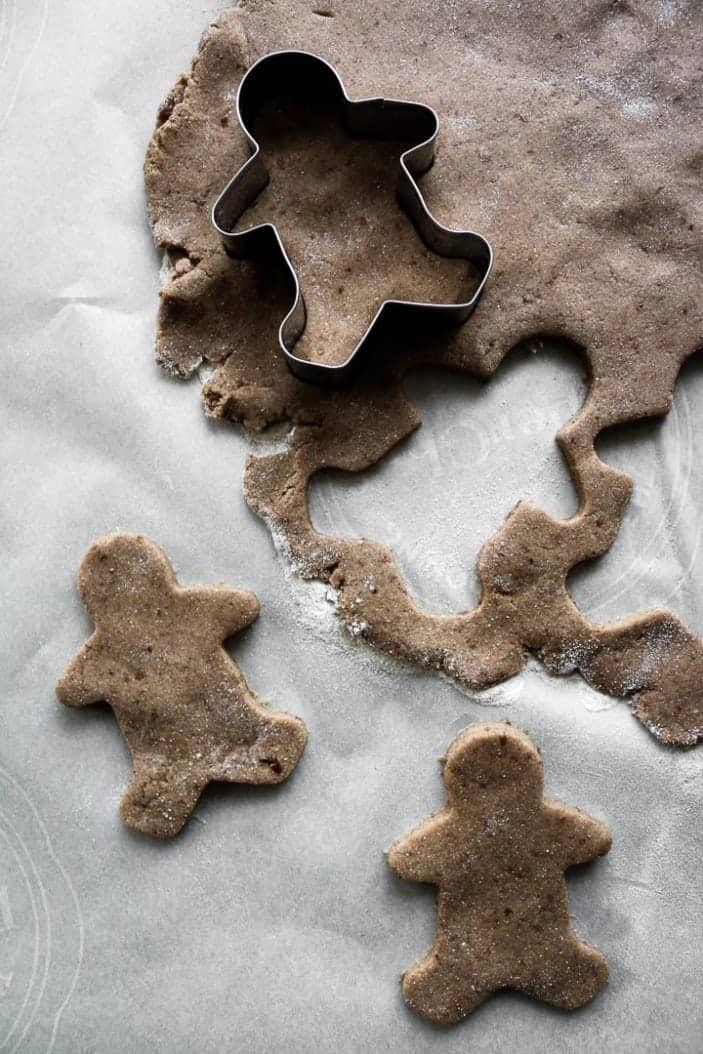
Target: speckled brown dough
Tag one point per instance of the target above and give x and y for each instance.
(498, 855)
(184, 708)
(570, 137)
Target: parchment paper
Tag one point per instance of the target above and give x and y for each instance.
(272, 922)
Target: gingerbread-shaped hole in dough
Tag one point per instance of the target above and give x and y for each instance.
(656, 559)
(449, 486)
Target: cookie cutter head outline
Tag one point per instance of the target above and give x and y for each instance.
(364, 118)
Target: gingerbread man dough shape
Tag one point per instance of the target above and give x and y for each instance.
(498, 855)
(184, 708)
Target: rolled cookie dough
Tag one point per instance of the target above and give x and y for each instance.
(182, 705)
(569, 136)
(497, 855)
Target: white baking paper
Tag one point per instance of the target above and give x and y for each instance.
(272, 922)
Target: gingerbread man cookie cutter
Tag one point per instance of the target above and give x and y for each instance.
(364, 118)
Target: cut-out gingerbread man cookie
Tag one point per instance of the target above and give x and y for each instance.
(183, 706)
(498, 855)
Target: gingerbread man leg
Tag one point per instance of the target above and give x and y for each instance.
(271, 757)
(440, 989)
(160, 798)
(279, 746)
(568, 976)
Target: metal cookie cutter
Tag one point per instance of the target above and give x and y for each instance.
(275, 76)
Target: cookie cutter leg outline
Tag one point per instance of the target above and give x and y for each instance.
(364, 118)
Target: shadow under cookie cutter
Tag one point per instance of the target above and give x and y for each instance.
(366, 118)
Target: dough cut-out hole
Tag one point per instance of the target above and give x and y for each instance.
(332, 198)
(481, 448)
(655, 560)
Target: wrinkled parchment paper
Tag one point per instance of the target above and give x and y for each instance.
(272, 922)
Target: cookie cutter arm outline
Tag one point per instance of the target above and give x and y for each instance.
(366, 118)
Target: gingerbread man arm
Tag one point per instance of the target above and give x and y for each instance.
(82, 681)
(419, 855)
(578, 836)
(228, 611)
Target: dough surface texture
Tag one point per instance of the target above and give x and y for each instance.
(497, 855)
(569, 137)
(183, 707)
